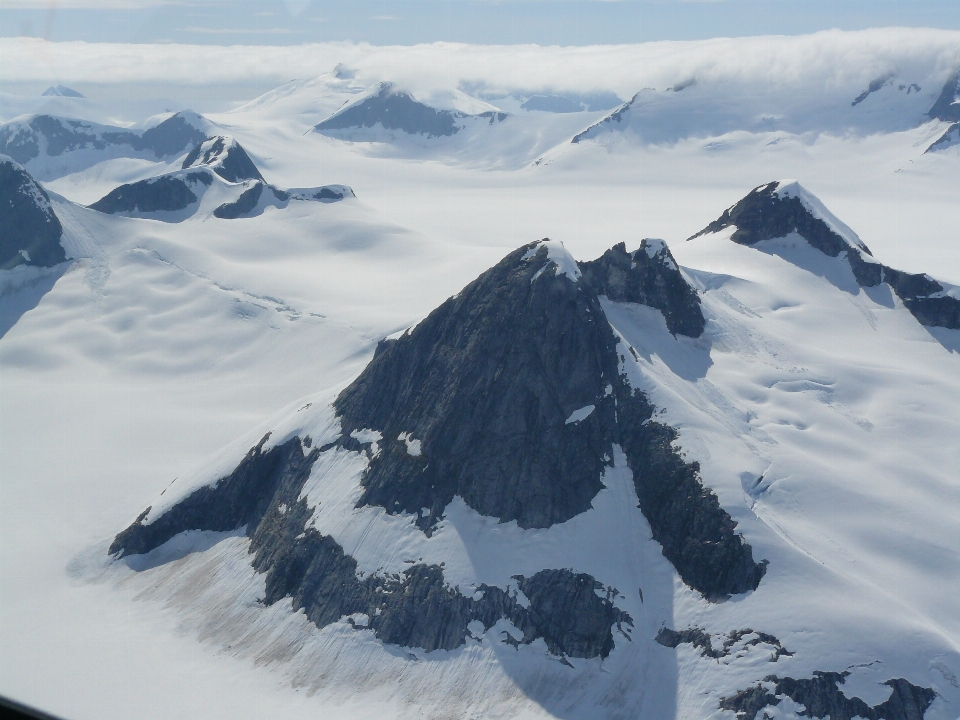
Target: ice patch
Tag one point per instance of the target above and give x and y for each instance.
(581, 414)
(413, 446)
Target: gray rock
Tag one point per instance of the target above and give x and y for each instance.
(165, 193)
(242, 205)
(701, 640)
(650, 276)
(822, 697)
(30, 231)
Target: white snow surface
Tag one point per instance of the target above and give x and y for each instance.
(822, 414)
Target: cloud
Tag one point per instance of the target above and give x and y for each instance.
(826, 60)
(238, 31)
(384, 17)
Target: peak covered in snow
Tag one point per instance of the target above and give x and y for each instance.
(776, 210)
(30, 231)
(60, 91)
(386, 106)
(224, 156)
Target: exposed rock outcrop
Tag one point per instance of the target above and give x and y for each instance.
(822, 697)
(649, 276)
(734, 641)
(166, 193)
(30, 231)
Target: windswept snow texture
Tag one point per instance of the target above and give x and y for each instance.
(29, 228)
(776, 210)
(53, 146)
(950, 138)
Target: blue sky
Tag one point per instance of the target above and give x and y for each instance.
(545, 22)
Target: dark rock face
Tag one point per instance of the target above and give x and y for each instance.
(164, 193)
(225, 157)
(763, 215)
(412, 609)
(616, 116)
(697, 535)
(822, 697)
(486, 383)
(245, 203)
(650, 276)
(395, 110)
(62, 135)
(701, 640)
(945, 108)
(30, 231)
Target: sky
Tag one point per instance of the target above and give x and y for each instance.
(406, 22)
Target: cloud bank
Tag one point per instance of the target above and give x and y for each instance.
(831, 60)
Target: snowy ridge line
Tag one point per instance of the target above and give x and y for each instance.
(778, 210)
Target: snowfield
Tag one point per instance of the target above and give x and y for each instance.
(822, 414)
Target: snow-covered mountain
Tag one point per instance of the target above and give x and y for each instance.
(384, 107)
(947, 109)
(218, 167)
(50, 147)
(581, 479)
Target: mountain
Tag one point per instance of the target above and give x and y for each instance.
(584, 477)
(219, 163)
(52, 146)
(389, 108)
(947, 109)
(619, 120)
(778, 209)
(30, 231)
(61, 91)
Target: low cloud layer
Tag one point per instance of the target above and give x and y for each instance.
(831, 60)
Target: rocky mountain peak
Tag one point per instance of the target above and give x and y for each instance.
(225, 157)
(30, 231)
